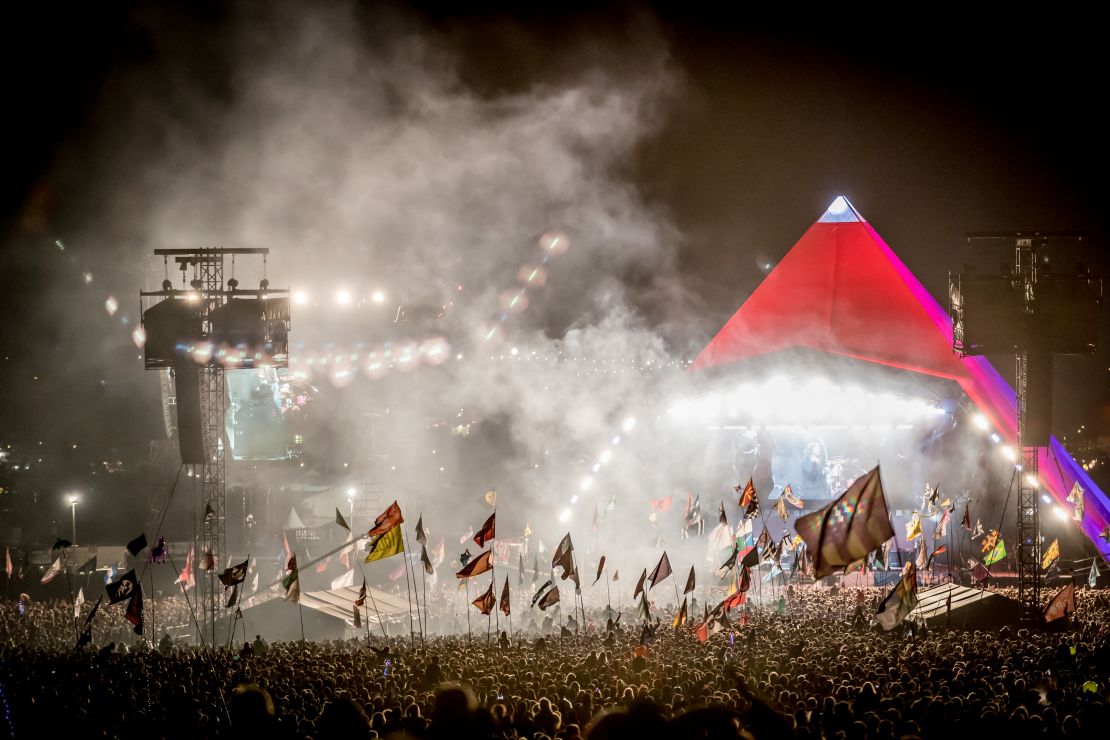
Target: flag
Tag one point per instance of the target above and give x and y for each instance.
(386, 521)
(209, 512)
(932, 497)
(551, 597)
(692, 515)
(640, 584)
(357, 616)
(600, 568)
(780, 508)
(234, 599)
(8, 562)
(728, 564)
(900, 601)
(1092, 579)
(421, 537)
(644, 610)
(989, 541)
(322, 566)
(52, 572)
(764, 538)
(913, 527)
(966, 521)
(1051, 555)
(996, 554)
(61, 544)
(753, 508)
(745, 580)
(747, 494)
(476, 566)
(398, 572)
(564, 558)
(749, 557)
(487, 532)
(1075, 498)
(506, 608)
(386, 545)
(680, 618)
(438, 554)
(185, 577)
(134, 613)
(1062, 604)
(616, 576)
(208, 561)
(347, 580)
(922, 560)
(719, 539)
(123, 588)
(540, 592)
(361, 600)
(744, 530)
(291, 582)
(78, 602)
(788, 494)
(157, 553)
(661, 572)
(978, 572)
(137, 545)
(939, 551)
(848, 528)
(721, 518)
(661, 505)
(341, 521)
(234, 575)
(491, 497)
(978, 529)
(942, 525)
(426, 561)
(486, 601)
(96, 607)
(689, 582)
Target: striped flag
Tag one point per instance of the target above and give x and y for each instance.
(1051, 555)
(848, 528)
(900, 601)
(1062, 604)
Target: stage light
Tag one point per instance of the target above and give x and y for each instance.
(564, 516)
(605, 456)
(192, 297)
(995, 438)
(838, 206)
(981, 422)
(514, 351)
(1046, 498)
(343, 297)
(587, 483)
(351, 493)
(377, 296)
(554, 242)
(300, 298)
(1031, 481)
(111, 305)
(574, 499)
(1060, 513)
(1009, 452)
(138, 336)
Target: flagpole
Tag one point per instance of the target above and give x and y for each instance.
(466, 587)
(153, 600)
(424, 589)
(69, 585)
(408, 588)
(608, 598)
(378, 614)
(412, 574)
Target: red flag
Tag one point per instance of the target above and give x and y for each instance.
(486, 533)
(386, 521)
(486, 601)
(506, 609)
(478, 565)
(747, 494)
(1062, 604)
(662, 505)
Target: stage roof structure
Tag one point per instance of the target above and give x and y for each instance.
(965, 608)
(842, 290)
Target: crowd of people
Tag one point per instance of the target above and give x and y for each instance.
(802, 667)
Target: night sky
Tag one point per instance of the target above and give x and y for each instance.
(932, 126)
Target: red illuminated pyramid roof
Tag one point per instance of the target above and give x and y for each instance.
(841, 290)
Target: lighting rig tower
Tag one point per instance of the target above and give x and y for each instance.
(1032, 314)
(200, 331)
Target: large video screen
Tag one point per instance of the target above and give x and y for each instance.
(263, 406)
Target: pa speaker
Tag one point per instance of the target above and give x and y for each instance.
(190, 435)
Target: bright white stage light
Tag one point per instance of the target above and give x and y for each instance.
(838, 206)
(587, 483)
(981, 422)
(605, 456)
(995, 438)
(628, 424)
(1009, 452)
(377, 296)
(343, 297)
(300, 298)
(1060, 513)
(1031, 481)
(351, 492)
(564, 516)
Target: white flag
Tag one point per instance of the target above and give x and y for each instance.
(52, 572)
(347, 580)
(78, 602)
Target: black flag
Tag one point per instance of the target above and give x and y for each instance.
(540, 593)
(661, 572)
(89, 566)
(234, 597)
(137, 545)
(123, 588)
(551, 597)
(600, 568)
(689, 582)
(420, 536)
(234, 575)
(426, 561)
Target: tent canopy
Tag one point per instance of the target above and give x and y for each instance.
(842, 290)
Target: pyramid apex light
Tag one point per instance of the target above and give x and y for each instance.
(840, 211)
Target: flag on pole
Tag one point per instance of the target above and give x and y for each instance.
(361, 600)
(1092, 578)
(640, 584)
(486, 601)
(506, 608)
(426, 561)
(1062, 604)
(234, 575)
(347, 580)
(661, 572)
(539, 593)
(728, 564)
(900, 601)
(848, 528)
(549, 598)
(746, 494)
(996, 554)
(564, 558)
(1075, 498)
(692, 517)
(478, 565)
(788, 494)
(939, 551)
(137, 545)
(1051, 555)
(386, 521)
(978, 529)
(922, 560)
(234, 599)
(8, 561)
(291, 581)
(487, 532)
(134, 613)
(780, 507)
(52, 572)
(966, 521)
(913, 527)
(942, 525)
(386, 545)
(644, 611)
(123, 588)
(341, 521)
(357, 617)
(421, 537)
(78, 602)
(680, 618)
(689, 582)
(752, 511)
(185, 577)
(600, 568)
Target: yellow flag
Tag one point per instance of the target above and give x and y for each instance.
(386, 545)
